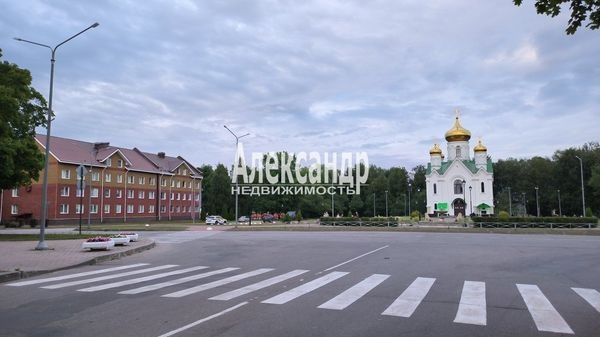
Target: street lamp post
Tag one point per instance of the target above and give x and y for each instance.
(44, 212)
(509, 202)
(373, 204)
(464, 198)
(537, 201)
(470, 200)
(409, 190)
(524, 204)
(582, 189)
(386, 203)
(237, 192)
(559, 206)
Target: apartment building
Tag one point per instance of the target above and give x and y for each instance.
(119, 185)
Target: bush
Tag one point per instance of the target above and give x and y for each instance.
(503, 215)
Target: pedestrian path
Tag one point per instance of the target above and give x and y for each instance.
(471, 308)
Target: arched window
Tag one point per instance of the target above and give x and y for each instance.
(434, 188)
(458, 187)
(458, 153)
(482, 187)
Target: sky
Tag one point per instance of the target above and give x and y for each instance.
(382, 77)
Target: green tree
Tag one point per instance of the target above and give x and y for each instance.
(217, 191)
(22, 109)
(580, 11)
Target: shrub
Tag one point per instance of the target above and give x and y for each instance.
(503, 215)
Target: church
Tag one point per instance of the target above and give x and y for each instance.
(458, 183)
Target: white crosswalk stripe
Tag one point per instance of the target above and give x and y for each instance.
(108, 277)
(544, 314)
(71, 276)
(592, 296)
(472, 306)
(343, 300)
(141, 279)
(177, 281)
(407, 303)
(257, 286)
(305, 288)
(218, 283)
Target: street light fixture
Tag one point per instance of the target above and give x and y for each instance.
(582, 189)
(237, 192)
(44, 213)
(537, 201)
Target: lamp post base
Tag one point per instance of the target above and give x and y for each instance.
(42, 246)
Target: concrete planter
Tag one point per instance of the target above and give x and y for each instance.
(120, 240)
(99, 245)
(132, 236)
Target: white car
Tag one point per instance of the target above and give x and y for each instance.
(215, 220)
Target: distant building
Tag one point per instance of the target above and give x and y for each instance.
(121, 185)
(459, 184)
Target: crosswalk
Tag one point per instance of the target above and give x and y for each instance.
(471, 309)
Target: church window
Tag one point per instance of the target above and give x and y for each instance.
(458, 187)
(482, 187)
(434, 188)
(458, 153)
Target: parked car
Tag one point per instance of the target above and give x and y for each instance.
(268, 218)
(243, 219)
(215, 220)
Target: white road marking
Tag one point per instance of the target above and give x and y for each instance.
(200, 321)
(356, 258)
(351, 295)
(210, 285)
(472, 306)
(175, 282)
(406, 304)
(108, 277)
(141, 279)
(305, 288)
(257, 286)
(67, 277)
(592, 296)
(544, 315)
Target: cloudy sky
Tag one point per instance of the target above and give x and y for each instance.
(380, 76)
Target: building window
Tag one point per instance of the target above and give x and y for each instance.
(80, 193)
(482, 187)
(172, 196)
(106, 208)
(95, 176)
(131, 179)
(78, 209)
(14, 209)
(119, 178)
(107, 193)
(107, 177)
(151, 195)
(163, 208)
(108, 162)
(141, 209)
(142, 180)
(152, 181)
(141, 195)
(184, 196)
(118, 209)
(119, 194)
(65, 174)
(163, 182)
(120, 163)
(163, 196)
(129, 209)
(63, 209)
(458, 187)
(130, 194)
(95, 192)
(93, 209)
(172, 183)
(178, 196)
(458, 152)
(15, 192)
(151, 209)
(434, 188)
(64, 191)
(177, 209)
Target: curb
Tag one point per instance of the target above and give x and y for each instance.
(17, 275)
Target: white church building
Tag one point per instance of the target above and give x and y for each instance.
(456, 182)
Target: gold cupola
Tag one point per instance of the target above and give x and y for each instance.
(480, 147)
(457, 132)
(435, 150)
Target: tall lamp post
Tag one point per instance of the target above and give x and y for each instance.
(582, 189)
(44, 212)
(509, 202)
(464, 197)
(559, 207)
(386, 203)
(237, 192)
(373, 204)
(409, 190)
(537, 201)
(470, 200)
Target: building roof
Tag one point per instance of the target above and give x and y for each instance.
(71, 151)
(469, 164)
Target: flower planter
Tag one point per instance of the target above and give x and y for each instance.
(120, 240)
(97, 245)
(132, 236)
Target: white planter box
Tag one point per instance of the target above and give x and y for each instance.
(132, 237)
(121, 241)
(104, 245)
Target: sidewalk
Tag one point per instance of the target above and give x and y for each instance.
(19, 259)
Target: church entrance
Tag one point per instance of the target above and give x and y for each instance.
(459, 207)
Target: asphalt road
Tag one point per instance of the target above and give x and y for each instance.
(321, 284)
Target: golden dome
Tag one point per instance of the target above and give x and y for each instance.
(457, 132)
(480, 147)
(435, 150)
